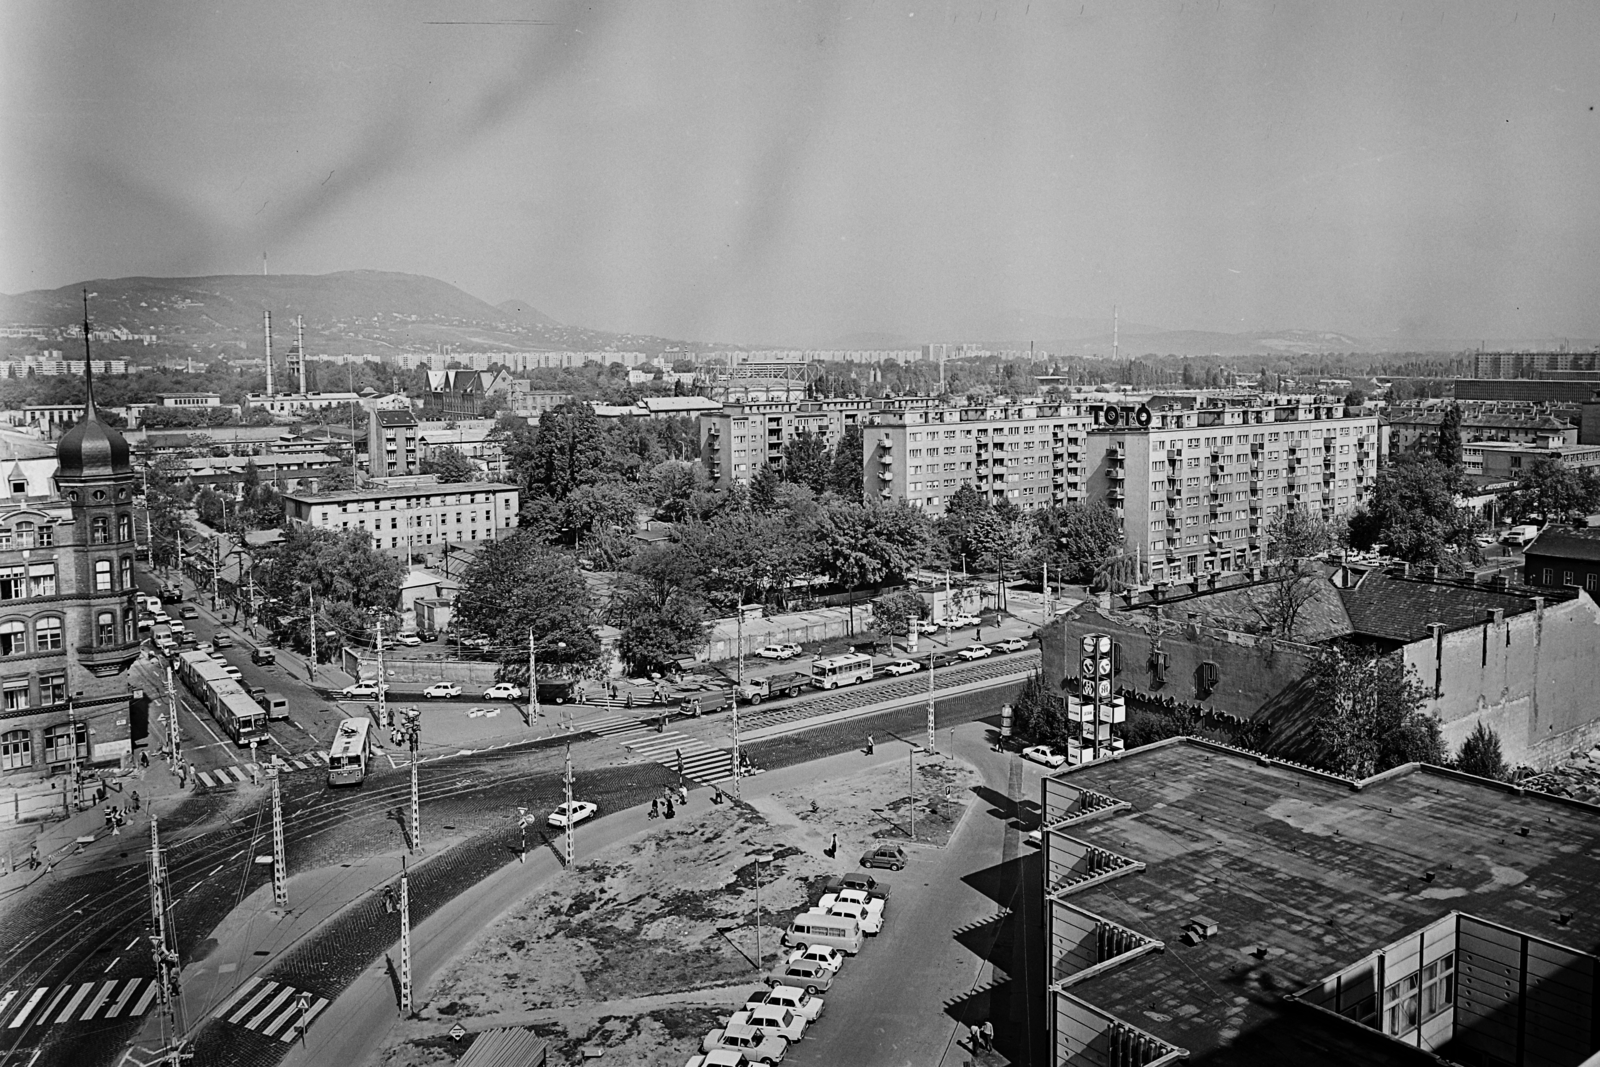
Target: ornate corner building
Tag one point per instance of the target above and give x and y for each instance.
(68, 625)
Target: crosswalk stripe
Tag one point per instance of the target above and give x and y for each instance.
(44, 1016)
(122, 998)
(238, 995)
(297, 765)
(271, 1029)
(99, 999)
(146, 997)
(5, 1001)
(72, 1005)
(206, 778)
(27, 1007)
(255, 998)
(277, 1002)
(311, 1013)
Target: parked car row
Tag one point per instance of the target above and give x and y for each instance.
(850, 908)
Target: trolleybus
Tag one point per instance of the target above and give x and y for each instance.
(350, 752)
(832, 671)
(241, 718)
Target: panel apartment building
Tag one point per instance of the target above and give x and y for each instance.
(1193, 485)
(742, 438)
(407, 516)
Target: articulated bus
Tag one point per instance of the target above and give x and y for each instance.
(241, 718)
(831, 672)
(350, 752)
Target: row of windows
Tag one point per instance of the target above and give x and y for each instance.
(46, 636)
(19, 581)
(16, 746)
(26, 534)
(14, 692)
(412, 503)
(100, 529)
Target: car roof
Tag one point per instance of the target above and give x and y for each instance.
(743, 1031)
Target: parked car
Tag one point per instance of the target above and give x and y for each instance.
(878, 905)
(975, 652)
(779, 652)
(718, 1057)
(364, 689)
(574, 813)
(960, 621)
(408, 640)
(901, 666)
(868, 916)
(926, 626)
(221, 641)
(1010, 644)
(263, 657)
(821, 955)
(890, 856)
(503, 691)
(159, 616)
(774, 1019)
(1043, 754)
(442, 691)
(426, 634)
(809, 975)
(858, 881)
(795, 999)
(188, 611)
(758, 1045)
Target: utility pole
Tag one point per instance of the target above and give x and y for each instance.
(533, 680)
(739, 669)
(72, 761)
(405, 940)
(383, 705)
(216, 562)
(733, 727)
(1049, 602)
(162, 942)
(311, 621)
(413, 730)
(911, 788)
(280, 883)
(569, 804)
(175, 734)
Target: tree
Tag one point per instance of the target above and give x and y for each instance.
(806, 461)
(1074, 540)
(892, 613)
(1355, 398)
(1367, 708)
(450, 465)
(1296, 534)
(1414, 514)
(1279, 602)
(672, 484)
(863, 545)
(336, 479)
(764, 489)
(1447, 450)
(1480, 754)
(335, 567)
(845, 475)
(517, 586)
(658, 606)
(566, 450)
(1550, 491)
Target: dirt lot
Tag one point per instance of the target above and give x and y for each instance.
(652, 943)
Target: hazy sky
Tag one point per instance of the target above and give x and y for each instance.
(782, 171)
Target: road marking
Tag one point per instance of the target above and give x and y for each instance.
(123, 997)
(27, 1008)
(112, 964)
(5, 1001)
(145, 998)
(99, 999)
(72, 1005)
(44, 1016)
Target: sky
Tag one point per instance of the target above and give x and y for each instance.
(773, 171)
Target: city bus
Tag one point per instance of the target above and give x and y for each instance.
(830, 672)
(241, 718)
(350, 752)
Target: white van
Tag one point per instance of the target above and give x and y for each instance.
(1520, 535)
(832, 930)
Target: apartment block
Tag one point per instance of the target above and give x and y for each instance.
(742, 438)
(392, 443)
(1030, 454)
(411, 516)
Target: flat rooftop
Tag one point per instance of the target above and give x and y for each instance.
(1305, 875)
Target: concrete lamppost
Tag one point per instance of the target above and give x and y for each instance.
(762, 859)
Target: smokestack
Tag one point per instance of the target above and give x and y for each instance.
(300, 351)
(266, 330)
(1115, 322)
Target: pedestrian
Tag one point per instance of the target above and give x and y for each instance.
(388, 900)
(655, 808)
(144, 761)
(869, 744)
(683, 794)
(671, 814)
(33, 858)
(833, 849)
(986, 1035)
(111, 820)
(135, 800)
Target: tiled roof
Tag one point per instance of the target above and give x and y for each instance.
(1400, 609)
(1567, 542)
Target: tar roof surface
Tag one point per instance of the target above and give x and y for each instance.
(1320, 875)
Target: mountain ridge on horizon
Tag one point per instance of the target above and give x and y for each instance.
(401, 310)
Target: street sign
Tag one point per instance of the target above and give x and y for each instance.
(457, 1032)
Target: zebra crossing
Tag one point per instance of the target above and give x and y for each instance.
(270, 1008)
(241, 775)
(691, 757)
(114, 998)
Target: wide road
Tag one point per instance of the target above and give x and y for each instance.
(87, 928)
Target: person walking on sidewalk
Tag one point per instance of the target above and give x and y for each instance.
(33, 858)
(134, 800)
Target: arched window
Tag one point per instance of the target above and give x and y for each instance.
(127, 627)
(126, 574)
(24, 534)
(105, 628)
(47, 635)
(124, 528)
(59, 742)
(13, 637)
(16, 750)
(100, 530)
(102, 576)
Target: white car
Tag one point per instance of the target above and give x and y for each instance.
(718, 1057)
(902, 666)
(503, 691)
(573, 813)
(794, 998)
(1042, 754)
(848, 905)
(159, 616)
(788, 1025)
(365, 689)
(1011, 644)
(442, 691)
(409, 640)
(959, 621)
(975, 652)
(927, 626)
(779, 652)
(825, 955)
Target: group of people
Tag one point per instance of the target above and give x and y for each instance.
(667, 803)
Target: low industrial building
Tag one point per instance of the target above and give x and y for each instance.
(1207, 905)
(412, 516)
(1565, 557)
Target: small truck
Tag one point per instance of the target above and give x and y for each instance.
(774, 687)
